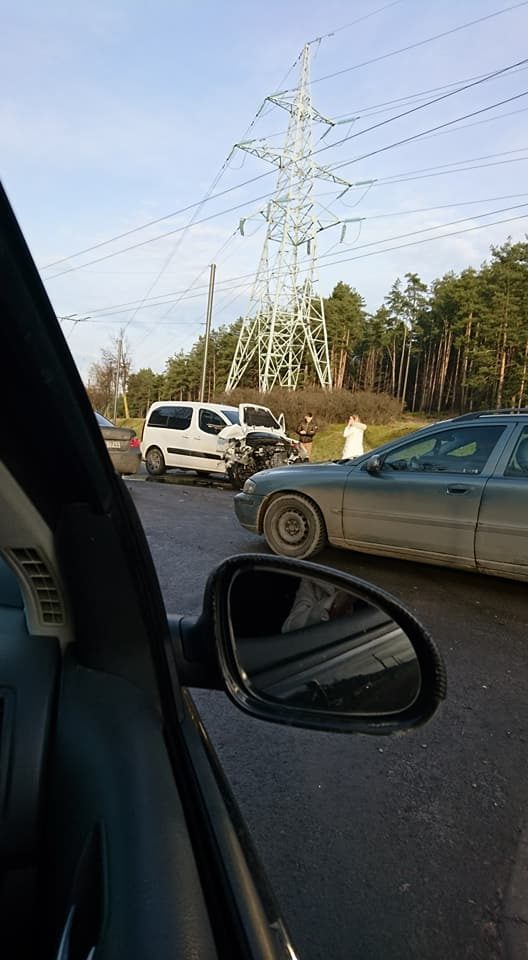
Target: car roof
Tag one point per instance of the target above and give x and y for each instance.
(503, 413)
(192, 403)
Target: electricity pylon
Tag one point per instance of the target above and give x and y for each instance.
(286, 320)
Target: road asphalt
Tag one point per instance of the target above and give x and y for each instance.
(405, 847)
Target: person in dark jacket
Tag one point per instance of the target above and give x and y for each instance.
(306, 431)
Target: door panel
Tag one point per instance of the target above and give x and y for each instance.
(177, 436)
(501, 544)
(423, 513)
(204, 454)
(426, 499)
(116, 833)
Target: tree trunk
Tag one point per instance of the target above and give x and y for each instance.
(465, 362)
(502, 366)
(524, 373)
(417, 371)
(404, 388)
(402, 358)
(443, 368)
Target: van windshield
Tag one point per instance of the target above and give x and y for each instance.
(232, 415)
(260, 417)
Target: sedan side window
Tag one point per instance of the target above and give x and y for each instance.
(458, 450)
(518, 463)
(179, 418)
(210, 422)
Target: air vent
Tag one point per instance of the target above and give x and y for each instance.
(45, 589)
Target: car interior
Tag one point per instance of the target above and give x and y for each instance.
(97, 852)
(119, 835)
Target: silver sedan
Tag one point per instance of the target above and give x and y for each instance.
(455, 494)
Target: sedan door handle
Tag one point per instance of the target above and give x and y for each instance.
(457, 488)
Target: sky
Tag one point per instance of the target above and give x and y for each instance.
(116, 113)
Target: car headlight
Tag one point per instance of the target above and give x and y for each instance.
(249, 486)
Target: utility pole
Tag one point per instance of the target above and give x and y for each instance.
(212, 274)
(286, 321)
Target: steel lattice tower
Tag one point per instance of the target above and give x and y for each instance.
(286, 317)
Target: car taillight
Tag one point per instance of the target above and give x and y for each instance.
(134, 443)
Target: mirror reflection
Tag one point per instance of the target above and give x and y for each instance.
(311, 644)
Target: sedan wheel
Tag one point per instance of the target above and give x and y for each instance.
(294, 527)
(155, 462)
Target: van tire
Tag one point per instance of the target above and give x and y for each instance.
(155, 462)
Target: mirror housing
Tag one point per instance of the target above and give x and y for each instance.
(430, 691)
(374, 464)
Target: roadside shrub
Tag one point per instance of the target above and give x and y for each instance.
(327, 406)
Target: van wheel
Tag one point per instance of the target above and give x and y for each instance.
(155, 462)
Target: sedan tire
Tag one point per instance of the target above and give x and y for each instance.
(155, 462)
(294, 526)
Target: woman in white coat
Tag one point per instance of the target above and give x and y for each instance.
(353, 434)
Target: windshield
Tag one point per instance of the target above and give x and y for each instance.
(102, 421)
(260, 417)
(232, 415)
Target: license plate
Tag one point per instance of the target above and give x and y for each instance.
(113, 444)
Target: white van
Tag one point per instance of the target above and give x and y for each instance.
(185, 435)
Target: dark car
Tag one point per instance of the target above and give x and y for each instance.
(454, 493)
(123, 446)
(119, 835)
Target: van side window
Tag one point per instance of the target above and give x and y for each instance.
(158, 417)
(179, 418)
(210, 422)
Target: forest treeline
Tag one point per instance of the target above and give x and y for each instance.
(460, 343)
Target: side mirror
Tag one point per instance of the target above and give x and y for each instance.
(282, 422)
(374, 464)
(304, 645)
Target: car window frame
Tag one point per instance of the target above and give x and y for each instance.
(507, 454)
(489, 467)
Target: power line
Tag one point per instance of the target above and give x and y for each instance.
(233, 283)
(211, 196)
(160, 236)
(373, 108)
(443, 236)
(414, 174)
(476, 123)
(373, 253)
(428, 103)
(186, 209)
(451, 223)
(416, 136)
(381, 216)
(151, 223)
(266, 195)
(421, 43)
(181, 294)
(353, 23)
